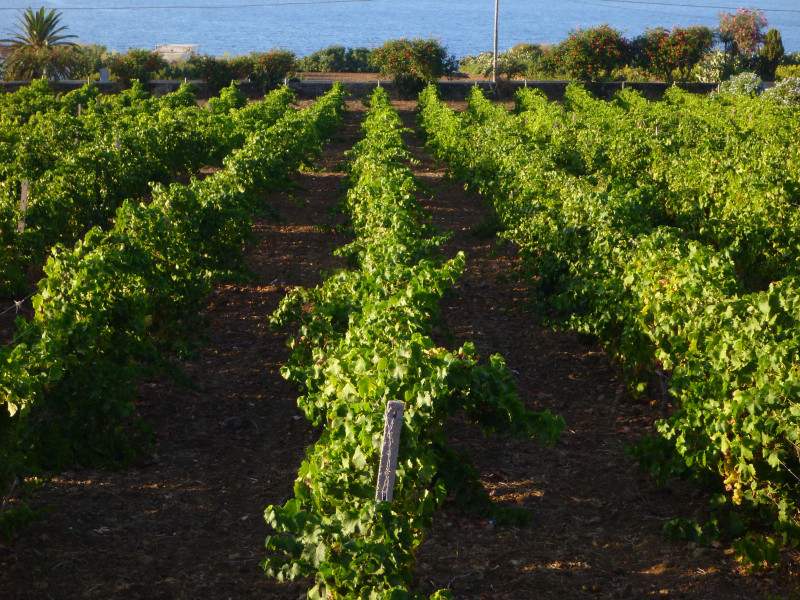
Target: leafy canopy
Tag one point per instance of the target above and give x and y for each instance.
(38, 45)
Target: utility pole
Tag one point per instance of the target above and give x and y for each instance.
(496, 12)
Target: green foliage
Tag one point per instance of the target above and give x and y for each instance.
(743, 29)
(87, 60)
(229, 99)
(537, 61)
(16, 515)
(136, 64)
(266, 69)
(786, 91)
(786, 72)
(362, 338)
(771, 54)
(39, 48)
(791, 58)
(112, 308)
(593, 53)
(82, 168)
(481, 64)
(746, 84)
(532, 61)
(217, 72)
(338, 59)
(413, 63)
(509, 65)
(28, 63)
(19, 107)
(662, 53)
(666, 230)
(719, 66)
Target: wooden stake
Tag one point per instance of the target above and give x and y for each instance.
(391, 441)
(494, 65)
(23, 205)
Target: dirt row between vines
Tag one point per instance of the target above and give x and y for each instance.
(186, 522)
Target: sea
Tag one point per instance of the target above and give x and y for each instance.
(235, 27)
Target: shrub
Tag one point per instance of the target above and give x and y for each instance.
(508, 65)
(546, 65)
(338, 59)
(661, 53)
(791, 58)
(786, 91)
(180, 69)
(476, 64)
(87, 61)
(745, 28)
(771, 53)
(414, 63)
(38, 46)
(786, 71)
(230, 98)
(592, 54)
(536, 60)
(632, 73)
(266, 69)
(748, 84)
(216, 72)
(136, 64)
(719, 66)
(30, 62)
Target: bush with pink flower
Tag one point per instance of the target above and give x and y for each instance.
(744, 28)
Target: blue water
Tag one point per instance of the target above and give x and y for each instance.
(235, 27)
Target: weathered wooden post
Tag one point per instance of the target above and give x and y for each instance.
(391, 442)
(23, 205)
(496, 15)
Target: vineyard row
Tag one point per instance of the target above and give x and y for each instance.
(123, 302)
(362, 339)
(669, 231)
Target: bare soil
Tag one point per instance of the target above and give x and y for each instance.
(186, 522)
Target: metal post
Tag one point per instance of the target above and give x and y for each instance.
(496, 13)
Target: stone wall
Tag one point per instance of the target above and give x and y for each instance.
(451, 90)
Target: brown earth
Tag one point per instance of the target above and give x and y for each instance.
(187, 522)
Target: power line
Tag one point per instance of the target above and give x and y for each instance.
(782, 10)
(195, 7)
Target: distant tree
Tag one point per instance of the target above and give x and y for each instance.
(136, 64)
(664, 53)
(742, 30)
(593, 53)
(414, 63)
(88, 60)
(771, 53)
(38, 47)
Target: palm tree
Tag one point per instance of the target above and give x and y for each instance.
(37, 46)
